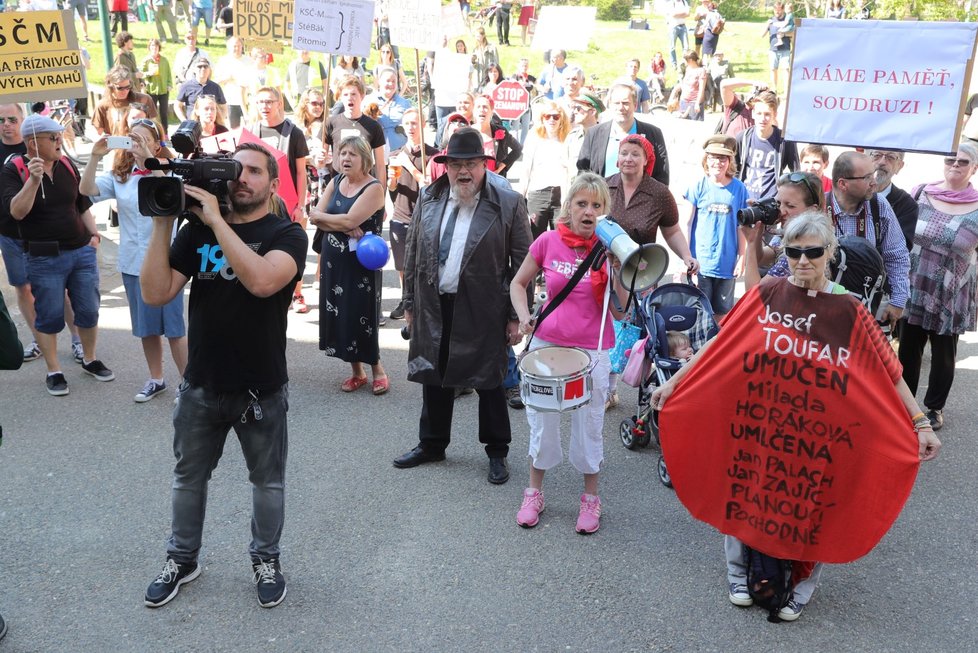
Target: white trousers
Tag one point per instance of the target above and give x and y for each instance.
(586, 450)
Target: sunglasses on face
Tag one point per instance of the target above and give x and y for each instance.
(122, 88)
(802, 178)
(811, 253)
(314, 103)
(551, 116)
(951, 162)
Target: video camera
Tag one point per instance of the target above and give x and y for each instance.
(165, 196)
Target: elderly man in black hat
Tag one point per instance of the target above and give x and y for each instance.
(468, 236)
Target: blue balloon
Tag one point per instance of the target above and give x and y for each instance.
(372, 252)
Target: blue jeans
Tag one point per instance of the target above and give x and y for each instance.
(512, 379)
(677, 32)
(74, 270)
(442, 112)
(201, 422)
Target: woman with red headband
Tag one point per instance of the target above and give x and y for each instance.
(642, 205)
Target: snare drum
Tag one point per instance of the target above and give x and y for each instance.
(555, 379)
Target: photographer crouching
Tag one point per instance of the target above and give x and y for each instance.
(244, 265)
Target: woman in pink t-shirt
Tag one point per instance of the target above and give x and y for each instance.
(575, 323)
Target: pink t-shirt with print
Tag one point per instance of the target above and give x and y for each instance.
(577, 321)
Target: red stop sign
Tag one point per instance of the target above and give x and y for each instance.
(512, 100)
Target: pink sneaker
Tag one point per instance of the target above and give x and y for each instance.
(529, 514)
(589, 519)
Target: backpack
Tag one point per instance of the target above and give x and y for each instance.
(769, 581)
(858, 266)
(720, 24)
(19, 163)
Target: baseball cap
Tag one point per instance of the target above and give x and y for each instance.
(38, 124)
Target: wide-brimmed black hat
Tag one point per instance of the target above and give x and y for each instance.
(466, 143)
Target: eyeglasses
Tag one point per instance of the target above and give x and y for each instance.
(891, 157)
(865, 177)
(54, 138)
(580, 108)
(122, 88)
(13, 120)
(720, 158)
(802, 178)
(551, 116)
(314, 103)
(961, 163)
(468, 164)
(145, 122)
(811, 253)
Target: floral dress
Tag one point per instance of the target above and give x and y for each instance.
(350, 293)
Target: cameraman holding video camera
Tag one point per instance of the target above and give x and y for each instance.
(244, 266)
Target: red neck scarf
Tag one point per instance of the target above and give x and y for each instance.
(599, 278)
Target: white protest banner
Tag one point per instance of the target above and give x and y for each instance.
(888, 84)
(452, 23)
(564, 28)
(416, 23)
(451, 70)
(333, 26)
(39, 57)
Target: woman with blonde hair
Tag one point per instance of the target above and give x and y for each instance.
(207, 112)
(546, 165)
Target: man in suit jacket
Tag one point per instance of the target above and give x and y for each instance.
(888, 164)
(599, 152)
(468, 236)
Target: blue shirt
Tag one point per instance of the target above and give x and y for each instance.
(611, 154)
(713, 237)
(391, 115)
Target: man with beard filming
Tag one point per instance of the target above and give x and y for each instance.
(244, 266)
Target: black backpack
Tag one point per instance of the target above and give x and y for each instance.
(858, 266)
(769, 581)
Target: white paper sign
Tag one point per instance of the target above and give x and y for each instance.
(887, 84)
(333, 26)
(564, 28)
(416, 23)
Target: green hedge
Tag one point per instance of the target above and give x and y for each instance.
(614, 9)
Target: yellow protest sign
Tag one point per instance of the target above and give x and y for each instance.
(263, 20)
(40, 59)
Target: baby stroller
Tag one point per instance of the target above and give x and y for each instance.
(671, 307)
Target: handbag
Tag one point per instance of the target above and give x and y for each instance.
(638, 366)
(626, 334)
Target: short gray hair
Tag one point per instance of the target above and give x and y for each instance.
(812, 223)
(971, 150)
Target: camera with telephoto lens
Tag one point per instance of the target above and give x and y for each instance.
(165, 196)
(765, 211)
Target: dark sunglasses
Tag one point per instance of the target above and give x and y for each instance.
(122, 88)
(551, 116)
(146, 122)
(951, 162)
(801, 178)
(811, 253)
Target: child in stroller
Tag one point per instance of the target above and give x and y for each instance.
(674, 312)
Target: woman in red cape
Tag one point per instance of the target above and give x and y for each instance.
(861, 480)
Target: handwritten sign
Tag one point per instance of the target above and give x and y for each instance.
(263, 20)
(888, 84)
(416, 23)
(565, 28)
(333, 26)
(40, 59)
(789, 434)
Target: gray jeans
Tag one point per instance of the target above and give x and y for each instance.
(201, 422)
(733, 551)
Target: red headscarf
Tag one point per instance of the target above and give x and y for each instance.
(646, 145)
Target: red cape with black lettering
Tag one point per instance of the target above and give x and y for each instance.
(789, 434)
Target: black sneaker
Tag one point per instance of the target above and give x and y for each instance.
(32, 353)
(513, 397)
(269, 581)
(97, 369)
(398, 312)
(57, 385)
(936, 418)
(166, 586)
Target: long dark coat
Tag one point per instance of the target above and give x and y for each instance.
(498, 241)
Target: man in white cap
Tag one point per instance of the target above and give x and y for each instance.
(40, 192)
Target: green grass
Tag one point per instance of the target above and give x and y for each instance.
(612, 44)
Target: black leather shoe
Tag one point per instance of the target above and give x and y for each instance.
(936, 418)
(418, 456)
(498, 472)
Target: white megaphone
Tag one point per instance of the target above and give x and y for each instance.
(641, 265)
